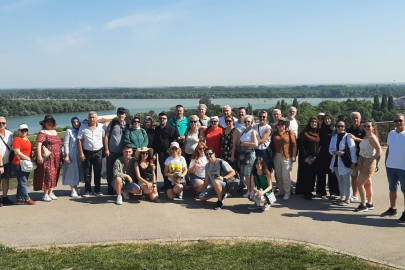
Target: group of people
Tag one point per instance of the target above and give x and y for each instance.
(213, 156)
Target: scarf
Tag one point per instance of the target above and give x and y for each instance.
(74, 130)
(309, 133)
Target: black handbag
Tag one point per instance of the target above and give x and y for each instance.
(346, 158)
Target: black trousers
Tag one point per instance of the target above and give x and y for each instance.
(332, 183)
(93, 160)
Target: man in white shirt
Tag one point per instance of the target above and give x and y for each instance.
(226, 110)
(292, 112)
(90, 144)
(395, 164)
(6, 142)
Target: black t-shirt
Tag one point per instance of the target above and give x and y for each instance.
(359, 133)
(163, 138)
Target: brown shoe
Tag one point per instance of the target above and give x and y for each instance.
(29, 202)
(20, 201)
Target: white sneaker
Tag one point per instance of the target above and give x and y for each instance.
(354, 199)
(46, 198)
(74, 194)
(247, 194)
(266, 207)
(52, 196)
(125, 195)
(286, 197)
(119, 200)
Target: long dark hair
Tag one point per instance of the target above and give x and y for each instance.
(264, 167)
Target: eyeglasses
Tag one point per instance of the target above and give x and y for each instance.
(367, 126)
(263, 116)
(208, 154)
(162, 118)
(24, 130)
(246, 122)
(281, 124)
(339, 126)
(202, 148)
(144, 153)
(137, 121)
(174, 148)
(395, 121)
(2, 123)
(193, 122)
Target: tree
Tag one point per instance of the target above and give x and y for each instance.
(249, 109)
(205, 101)
(295, 103)
(384, 103)
(376, 103)
(278, 106)
(391, 104)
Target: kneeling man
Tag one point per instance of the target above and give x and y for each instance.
(219, 172)
(124, 180)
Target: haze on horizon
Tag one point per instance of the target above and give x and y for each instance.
(100, 43)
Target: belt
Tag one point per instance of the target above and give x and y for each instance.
(95, 151)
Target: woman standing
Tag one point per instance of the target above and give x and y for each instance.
(23, 151)
(145, 172)
(135, 135)
(148, 127)
(262, 185)
(192, 138)
(47, 174)
(73, 172)
(339, 144)
(227, 140)
(284, 147)
(175, 170)
(197, 167)
(370, 150)
(246, 149)
(308, 144)
(323, 161)
(213, 135)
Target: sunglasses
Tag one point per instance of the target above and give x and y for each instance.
(162, 119)
(208, 154)
(144, 153)
(246, 122)
(24, 130)
(137, 121)
(174, 148)
(202, 148)
(395, 121)
(339, 126)
(228, 121)
(193, 122)
(2, 123)
(214, 121)
(367, 126)
(262, 117)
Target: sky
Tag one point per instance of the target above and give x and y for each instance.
(100, 43)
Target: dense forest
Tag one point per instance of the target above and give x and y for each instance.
(320, 91)
(10, 107)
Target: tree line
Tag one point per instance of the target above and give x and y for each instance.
(10, 107)
(303, 91)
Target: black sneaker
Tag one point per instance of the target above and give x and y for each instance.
(224, 197)
(86, 194)
(7, 201)
(402, 218)
(361, 208)
(98, 194)
(218, 206)
(370, 206)
(390, 212)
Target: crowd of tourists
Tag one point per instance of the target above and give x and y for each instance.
(209, 156)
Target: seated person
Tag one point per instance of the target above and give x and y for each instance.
(175, 170)
(124, 180)
(218, 171)
(197, 168)
(145, 172)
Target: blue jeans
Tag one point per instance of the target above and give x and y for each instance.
(396, 176)
(263, 154)
(22, 178)
(110, 164)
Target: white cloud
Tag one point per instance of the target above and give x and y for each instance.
(140, 19)
(62, 42)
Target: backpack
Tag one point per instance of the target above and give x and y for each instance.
(113, 124)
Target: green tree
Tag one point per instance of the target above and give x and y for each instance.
(391, 104)
(295, 103)
(384, 103)
(376, 103)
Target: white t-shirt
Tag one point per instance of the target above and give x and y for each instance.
(200, 172)
(294, 126)
(176, 164)
(260, 130)
(396, 155)
(8, 139)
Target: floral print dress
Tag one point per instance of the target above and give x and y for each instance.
(226, 145)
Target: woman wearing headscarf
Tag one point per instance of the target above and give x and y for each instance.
(308, 145)
(73, 172)
(323, 161)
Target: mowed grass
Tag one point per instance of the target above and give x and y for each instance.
(187, 255)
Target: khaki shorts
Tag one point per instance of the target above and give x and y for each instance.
(356, 171)
(365, 166)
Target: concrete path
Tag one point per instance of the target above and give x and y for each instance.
(98, 219)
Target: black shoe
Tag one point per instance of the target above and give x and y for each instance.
(402, 218)
(7, 201)
(390, 212)
(370, 206)
(224, 197)
(98, 194)
(86, 194)
(218, 206)
(308, 197)
(361, 208)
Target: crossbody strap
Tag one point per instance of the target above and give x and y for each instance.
(5, 142)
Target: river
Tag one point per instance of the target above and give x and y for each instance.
(158, 105)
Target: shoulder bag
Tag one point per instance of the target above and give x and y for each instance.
(346, 158)
(11, 156)
(244, 154)
(27, 165)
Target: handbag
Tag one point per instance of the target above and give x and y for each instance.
(271, 198)
(27, 165)
(244, 156)
(45, 153)
(346, 158)
(11, 156)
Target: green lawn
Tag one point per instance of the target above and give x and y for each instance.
(190, 255)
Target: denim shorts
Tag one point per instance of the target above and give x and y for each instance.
(210, 192)
(194, 178)
(395, 176)
(7, 171)
(125, 187)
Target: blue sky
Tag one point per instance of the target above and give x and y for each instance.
(97, 43)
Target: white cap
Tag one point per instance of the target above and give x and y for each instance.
(214, 117)
(22, 126)
(176, 144)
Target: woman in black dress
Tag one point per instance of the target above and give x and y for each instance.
(308, 145)
(227, 140)
(324, 160)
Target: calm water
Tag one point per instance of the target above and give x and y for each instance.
(158, 105)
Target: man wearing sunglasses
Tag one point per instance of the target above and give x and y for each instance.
(218, 171)
(6, 145)
(395, 164)
(164, 136)
(181, 123)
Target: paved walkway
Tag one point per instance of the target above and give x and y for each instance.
(93, 219)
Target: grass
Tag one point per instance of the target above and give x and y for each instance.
(189, 255)
(13, 182)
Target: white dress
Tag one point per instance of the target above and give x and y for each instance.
(73, 171)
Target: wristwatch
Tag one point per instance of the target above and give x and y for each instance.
(224, 178)
(1, 166)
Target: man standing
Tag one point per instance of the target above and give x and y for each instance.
(90, 144)
(164, 136)
(395, 164)
(263, 135)
(113, 144)
(6, 143)
(180, 122)
(218, 171)
(204, 119)
(276, 115)
(292, 112)
(357, 134)
(226, 110)
(239, 125)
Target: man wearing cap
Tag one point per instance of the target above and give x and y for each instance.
(226, 111)
(164, 136)
(180, 122)
(6, 145)
(113, 144)
(90, 144)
